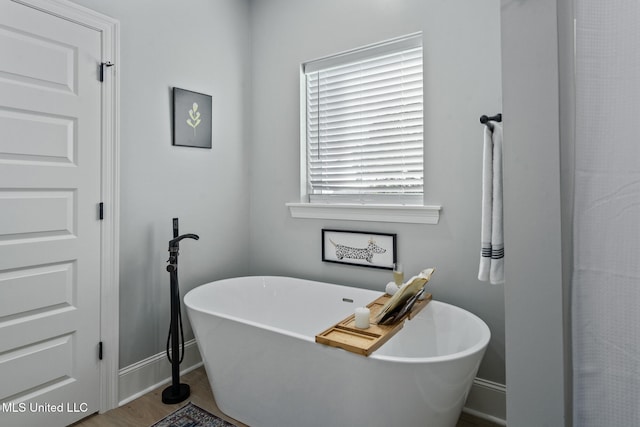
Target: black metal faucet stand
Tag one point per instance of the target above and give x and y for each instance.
(176, 392)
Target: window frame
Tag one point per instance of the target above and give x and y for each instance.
(395, 209)
(409, 41)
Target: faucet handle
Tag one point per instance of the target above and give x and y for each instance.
(174, 242)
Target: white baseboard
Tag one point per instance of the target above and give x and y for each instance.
(146, 375)
(487, 400)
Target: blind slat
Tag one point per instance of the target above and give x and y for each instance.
(356, 161)
(357, 127)
(366, 95)
(380, 78)
(368, 103)
(366, 138)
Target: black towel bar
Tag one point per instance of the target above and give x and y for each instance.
(485, 119)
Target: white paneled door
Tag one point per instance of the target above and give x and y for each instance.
(50, 171)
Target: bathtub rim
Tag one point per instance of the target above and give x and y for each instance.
(481, 345)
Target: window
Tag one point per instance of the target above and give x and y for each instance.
(363, 125)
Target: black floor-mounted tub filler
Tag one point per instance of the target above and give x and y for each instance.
(176, 392)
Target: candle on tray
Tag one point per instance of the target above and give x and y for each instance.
(362, 317)
(391, 288)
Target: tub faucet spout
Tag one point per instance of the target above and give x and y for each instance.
(174, 249)
(174, 242)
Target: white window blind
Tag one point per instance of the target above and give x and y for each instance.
(364, 124)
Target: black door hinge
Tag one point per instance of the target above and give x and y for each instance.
(101, 210)
(102, 66)
(100, 350)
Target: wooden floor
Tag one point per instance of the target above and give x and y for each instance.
(149, 408)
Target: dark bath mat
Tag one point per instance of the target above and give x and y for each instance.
(191, 415)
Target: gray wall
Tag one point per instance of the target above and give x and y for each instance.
(462, 81)
(536, 309)
(205, 48)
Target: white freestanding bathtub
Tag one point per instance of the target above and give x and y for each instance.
(257, 338)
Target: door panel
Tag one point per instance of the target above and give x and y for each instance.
(50, 133)
(23, 145)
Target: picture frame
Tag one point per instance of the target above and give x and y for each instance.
(359, 248)
(191, 118)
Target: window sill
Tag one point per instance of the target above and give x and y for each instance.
(379, 213)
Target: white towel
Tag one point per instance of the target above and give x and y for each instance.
(487, 196)
(491, 236)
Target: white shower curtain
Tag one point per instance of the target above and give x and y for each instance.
(606, 274)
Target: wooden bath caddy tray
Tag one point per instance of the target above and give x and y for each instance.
(345, 335)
